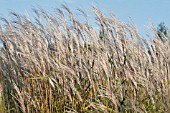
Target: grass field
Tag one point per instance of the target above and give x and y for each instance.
(61, 64)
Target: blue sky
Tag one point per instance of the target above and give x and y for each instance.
(141, 11)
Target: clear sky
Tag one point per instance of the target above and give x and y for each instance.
(141, 11)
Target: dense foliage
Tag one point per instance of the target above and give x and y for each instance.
(56, 65)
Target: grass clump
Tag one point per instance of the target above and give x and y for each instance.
(60, 66)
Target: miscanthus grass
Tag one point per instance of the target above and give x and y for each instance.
(60, 64)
